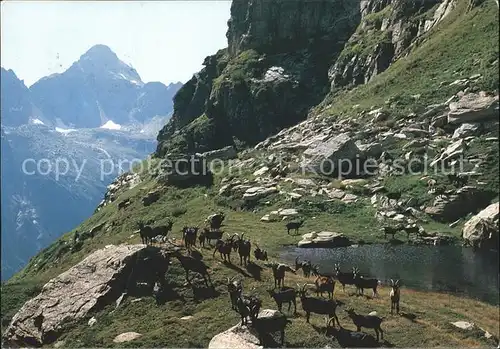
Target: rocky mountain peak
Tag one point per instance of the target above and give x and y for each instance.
(107, 89)
(100, 60)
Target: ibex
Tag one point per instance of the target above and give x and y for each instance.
(367, 321)
(306, 266)
(394, 294)
(318, 306)
(343, 277)
(243, 247)
(361, 283)
(294, 226)
(192, 264)
(279, 271)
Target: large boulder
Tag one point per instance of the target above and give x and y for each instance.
(240, 336)
(255, 193)
(473, 107)
(466, 130)
(98, 280)
(331, 155)
(126, 337)
(482, 229)
(464, 201)
(324, 239)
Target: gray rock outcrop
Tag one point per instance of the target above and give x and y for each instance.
(450, 208)
(473, 107)
(238, 337)
(466, 130)
(482, 229)
(241, 336)
(328, 156)
(324, 239)
(96, 281)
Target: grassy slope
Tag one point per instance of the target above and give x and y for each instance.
(440, 58)
(161, 326)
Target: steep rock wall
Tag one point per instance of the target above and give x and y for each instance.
(387, 30)
(274, 69)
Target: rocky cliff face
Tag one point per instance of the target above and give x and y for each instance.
(273, 71)
(284, 56)
(388, 28)
(285, 26)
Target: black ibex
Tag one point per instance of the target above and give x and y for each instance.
(189, 236)
(458, 180)
(361, 283)
(367, 321)
(124, 204)
(234, 287)
(318, 306)
(146, 233)
(201, 238)
(224, 248)
(243, 247)
(279, 271)
(259, 254)
(163, 230)
(305, 265)
(412, 229)
(248, 306)
(192, 264)
(392, 230)
(394, 294)
(325, 284)
(266, 325)
(212, 235)
(285, 295)
(294, 226)
(215, 220)
(345, 278)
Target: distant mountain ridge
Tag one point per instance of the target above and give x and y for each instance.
(99, 108)
(97, 88)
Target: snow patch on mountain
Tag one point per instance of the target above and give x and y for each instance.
(110, 125)
(37, 122)
(64, 130)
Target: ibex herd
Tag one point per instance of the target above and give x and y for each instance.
(248, 306)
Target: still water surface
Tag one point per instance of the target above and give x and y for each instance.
(452, 269)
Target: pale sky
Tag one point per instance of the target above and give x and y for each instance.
(163, 40)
